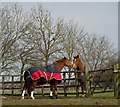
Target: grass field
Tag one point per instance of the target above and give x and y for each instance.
(96, 99)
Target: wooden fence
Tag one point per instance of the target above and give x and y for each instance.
(100, 81)
(104, 80)
(10, 85)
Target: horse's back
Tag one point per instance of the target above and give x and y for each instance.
(48, 72)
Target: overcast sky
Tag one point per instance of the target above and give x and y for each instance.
(100, 18)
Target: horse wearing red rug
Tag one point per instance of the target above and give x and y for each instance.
(34, 76)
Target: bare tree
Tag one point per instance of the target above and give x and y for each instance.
(49, 34)
(96, 51)
(36, 39)
(72, 33)
(12, 24)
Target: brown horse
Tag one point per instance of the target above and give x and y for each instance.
(80, 68)
(40, 75)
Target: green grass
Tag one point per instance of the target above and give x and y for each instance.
(95, 95)
(104, 95)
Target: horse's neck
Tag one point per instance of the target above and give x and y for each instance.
(81, 66)
(59, 65)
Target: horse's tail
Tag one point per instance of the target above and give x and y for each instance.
(28, 84)
(28, 81)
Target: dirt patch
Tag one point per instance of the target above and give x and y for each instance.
(16, 100)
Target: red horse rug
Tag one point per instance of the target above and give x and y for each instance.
(48, 72)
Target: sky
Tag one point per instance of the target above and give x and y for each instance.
(100, 18)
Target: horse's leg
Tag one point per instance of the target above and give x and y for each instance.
(32, 89)
(32, 95)
(51, 90)
(84, 84)
(55, 87)
(83, 88)
(23, 91)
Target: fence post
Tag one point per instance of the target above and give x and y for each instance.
(77, 84)
(64, 81)
(88, 83)
(12, 85)
(3, 85)
(116, 80)
(42, 89)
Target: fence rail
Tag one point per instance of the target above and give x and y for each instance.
(10, 86)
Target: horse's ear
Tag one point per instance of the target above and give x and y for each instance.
(64, 58)
(76, 56)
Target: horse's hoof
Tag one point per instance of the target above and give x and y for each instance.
(51, 97)
(22, 98)
(32, 98)
(83, 95)
(56, 97)
(3, 97)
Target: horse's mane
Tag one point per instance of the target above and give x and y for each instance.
(60, 60)
(81, 60)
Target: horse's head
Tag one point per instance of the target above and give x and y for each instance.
(78, 63)
(67, 62)
(63, 62)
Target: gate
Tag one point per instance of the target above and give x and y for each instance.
(104, 80)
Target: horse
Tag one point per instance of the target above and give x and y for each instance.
(81, 76)
(35, 76)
